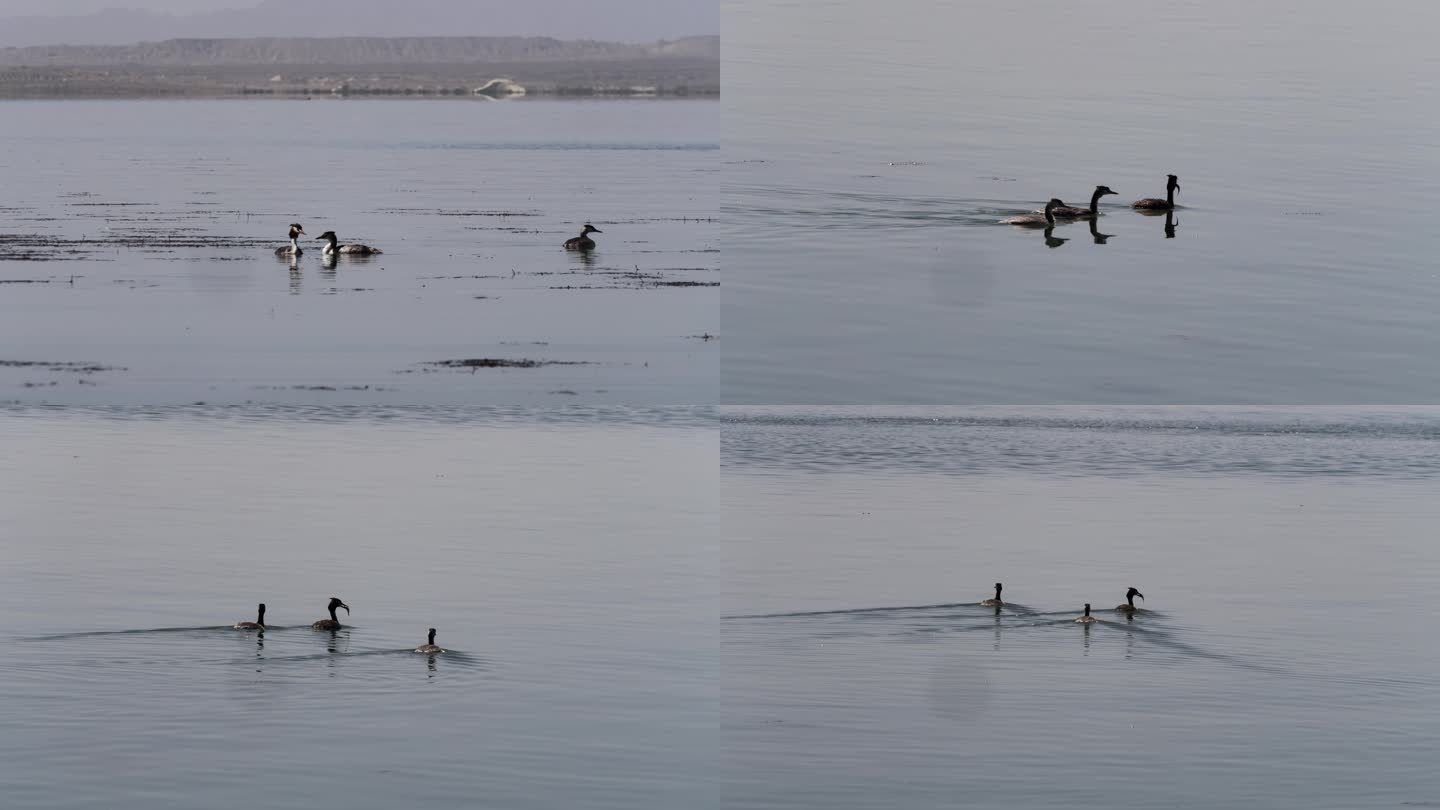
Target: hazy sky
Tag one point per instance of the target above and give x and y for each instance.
(84, 22)
(68, 8)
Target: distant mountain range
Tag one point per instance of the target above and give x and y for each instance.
(356, 51)
(630, 21)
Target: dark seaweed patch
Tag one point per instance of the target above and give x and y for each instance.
(57, 365)
(495, 362)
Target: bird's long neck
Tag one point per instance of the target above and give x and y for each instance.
(1095, 202)
(1087, 610)
(260, 619)
(294, 243)
(1130, 599)
(997, 591)
(432, 637)
(332, 615)
(331, 246)
(1050, 214)
(1170, 195)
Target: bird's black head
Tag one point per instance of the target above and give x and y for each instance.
(1055, 202)
(998, 586)
(1134, 592)
(590, 229)
(335, 602)
(1174, 181)
(327, 235)
(1103, 190)
(432, 635)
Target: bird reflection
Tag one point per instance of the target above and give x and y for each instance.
(1051, 240)
(1100, 238)
(1170, 224)
(583, 258)
(327, 266)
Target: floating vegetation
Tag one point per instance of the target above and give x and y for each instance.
(60, 365)
(495, 362)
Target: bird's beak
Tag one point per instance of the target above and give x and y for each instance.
(596, 230)
(347, 608)
(319, 237)
(1141, 595)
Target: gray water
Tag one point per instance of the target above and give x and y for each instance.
(1282, 657)
(566, 558)
(137, 238)
(871, 148)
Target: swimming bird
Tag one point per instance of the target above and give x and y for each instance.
(1152, 204)
(331, 623)
(1070, 212)
(583, 241)
(292, 249)
(996, 600)
(430, 646)
(1036, 220)
(1087, 618)
(333, 246)
(1129, 606)
(258, 624)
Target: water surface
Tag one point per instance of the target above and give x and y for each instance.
(566, 558)
(138, 237)
(870, 151)
(1281, 658)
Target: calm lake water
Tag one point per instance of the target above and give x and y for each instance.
(1282, 658)
(138, 236)
(567, 559)
(871, 148)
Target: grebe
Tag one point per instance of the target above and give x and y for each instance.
(1129, 606)
(1070, 212)
(334, 246)
(292, 249)
(996, 600)
(583, 241)
(1036, 220)
(430, 646)
(1152, 204)
(331, 623)
(1087, 618)
(258, 624)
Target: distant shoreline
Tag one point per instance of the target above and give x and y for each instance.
(201, 94)
(444, 67)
